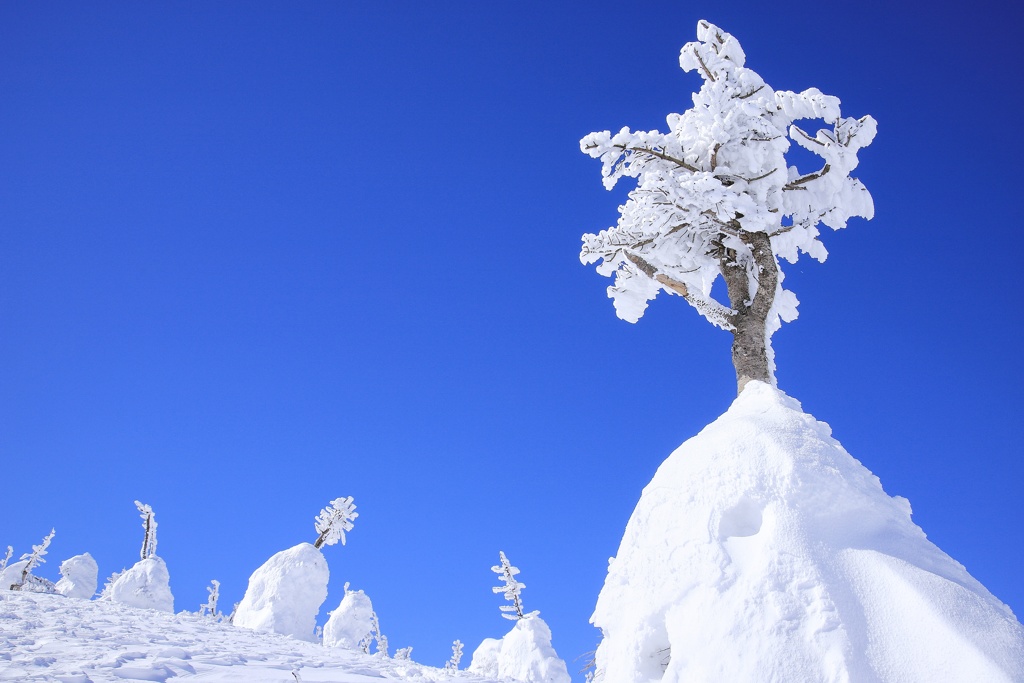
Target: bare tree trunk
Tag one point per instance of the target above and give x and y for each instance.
(749, 341)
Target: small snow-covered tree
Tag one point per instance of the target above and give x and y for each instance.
(149, 527)
(7, 558)
(334, 520)
(510, 588)
(29, 562)
(453, 664)
(403, 654)
(210, 607)
(716, 197)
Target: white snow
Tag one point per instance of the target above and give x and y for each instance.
(12, 574)
(351, 623)
(146, 586)
(762, 551)
(79, 577)
(285, 594)
(525, 654)
(51, 638)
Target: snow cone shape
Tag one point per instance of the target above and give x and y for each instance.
(145, 585)
(762, 551)
(79, 577)
(351, 623)
(285, 594)
(524, 654)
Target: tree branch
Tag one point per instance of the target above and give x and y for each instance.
(660, 155)
(795, 185)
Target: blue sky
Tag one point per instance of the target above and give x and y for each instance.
(254, 257)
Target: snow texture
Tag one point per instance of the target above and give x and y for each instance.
(79, 577)
(762, 551)
(12, 574)
(147, 585)
(525, 654)
(48, 638)
(285, 594)
(351, 623)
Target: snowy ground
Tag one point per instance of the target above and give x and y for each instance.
(53, 638)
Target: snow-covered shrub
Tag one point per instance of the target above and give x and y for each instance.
(403, 653)
(525, 654)
(149, 527)
(352, 623)
(333, 521)
(509, 587)
(18, 576)
(7, 558)
(146, 585)
(79, 577)
(210, 607)
(285, 594)
(453, 664)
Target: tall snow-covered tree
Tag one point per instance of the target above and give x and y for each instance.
(334, 520)
(30, 561)
(510, 588)
(149, 527)
(716, 197)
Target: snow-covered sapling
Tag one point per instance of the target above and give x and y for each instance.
(79, 576)
(510, 588)
(149, 527)
(7, 558)
(403, 654)
(715, 196)
(29, 562)
(334, 520)
(210, 607)
(453, 664)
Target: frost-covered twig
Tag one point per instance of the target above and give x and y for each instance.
(7, 558)
(211, 603)
(453, 664)
(510, 588)
(33, 560)
(149, 527)
(334, 520)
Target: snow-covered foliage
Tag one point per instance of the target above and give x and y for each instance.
(19, 577)
(403, 653)
(149, 527)
(453, 664)
(210, 606)
(79, 577)
(509, 587)
(7, 558)
(352, 623)
(334, 520)
(146, 585)
(284, 595)
(717, 175)
(762, 551)
(525, 654)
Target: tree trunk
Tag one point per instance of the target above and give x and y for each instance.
(749, 341)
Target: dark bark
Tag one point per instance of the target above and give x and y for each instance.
(749, 342)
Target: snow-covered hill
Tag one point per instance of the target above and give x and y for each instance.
(762, 551)
(53, 638)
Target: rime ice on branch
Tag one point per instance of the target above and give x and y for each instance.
(716, 197)
(334, 520)
(510, 588)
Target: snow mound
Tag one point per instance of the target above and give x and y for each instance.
(285, 594)
(762, 551)
(524, 654)
(79, 577)
(350, 623)
(146, 585)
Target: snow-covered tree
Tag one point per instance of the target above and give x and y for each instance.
(334, 520)
(715, 196)
(149, 527)
(7, 558)
(510, 588)
(79, 576)
(453, 664)
(210, 606)
(29, 561)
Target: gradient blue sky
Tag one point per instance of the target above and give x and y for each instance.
(255, 256)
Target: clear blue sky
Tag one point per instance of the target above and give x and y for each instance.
(255, 256)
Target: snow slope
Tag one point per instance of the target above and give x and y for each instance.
(54, 638)
(762, 551)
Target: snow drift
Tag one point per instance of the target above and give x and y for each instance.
(762, 551)
(79, 577)
(351, 623)
(285, 594)
(525, 654)
(146, 585)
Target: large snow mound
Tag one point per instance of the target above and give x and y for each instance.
(145, 585)
(762, 551)
(350, 623)
(524, 655)
(284, 595)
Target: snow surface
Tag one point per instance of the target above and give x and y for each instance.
(285, 594)
(146, 585)
(51, 638)
(350, 623)
(79, 577)
(524, 654)
(762, 551)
